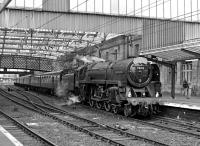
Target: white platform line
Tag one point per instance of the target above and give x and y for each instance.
(194, 107)
(10, 137)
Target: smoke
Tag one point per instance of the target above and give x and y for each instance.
(63, 92)
(89, 59)
(62, 88)
(72, 100)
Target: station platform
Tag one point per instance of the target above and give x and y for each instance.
(192, 102)
(6, 139)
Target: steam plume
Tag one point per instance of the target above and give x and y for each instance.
(89, 59)
(63, 92)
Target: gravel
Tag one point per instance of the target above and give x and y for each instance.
(48, 128)
(110, 119)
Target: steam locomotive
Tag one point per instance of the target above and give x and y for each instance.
(132, 86)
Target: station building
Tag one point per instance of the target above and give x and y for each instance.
(123, 47)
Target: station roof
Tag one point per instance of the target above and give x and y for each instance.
(185, 51)
(45, 43)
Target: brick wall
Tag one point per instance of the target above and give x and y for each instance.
(118, 48)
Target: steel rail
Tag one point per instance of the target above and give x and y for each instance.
(128, 134)
(178, 122)
(64, 122)
(28, 130)
(185, 132)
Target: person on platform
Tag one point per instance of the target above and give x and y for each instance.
(185, 88)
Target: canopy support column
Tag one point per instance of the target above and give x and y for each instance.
(173, 81)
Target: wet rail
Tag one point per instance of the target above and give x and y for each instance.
(169, 124)
(22, 132)
(188, 129)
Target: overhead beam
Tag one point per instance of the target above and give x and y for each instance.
(55, 54)
(33, 49)
(36, 40)
(40, 37)
(4, 5)
(13, 72)
(48, 31)
(51, 55)
(84, 22)
(35, 44)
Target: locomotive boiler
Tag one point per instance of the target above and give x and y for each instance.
(132, 86)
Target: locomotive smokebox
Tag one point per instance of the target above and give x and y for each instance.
(139, 72)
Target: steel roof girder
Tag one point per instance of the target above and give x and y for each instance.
(4, 5)
(28, 49)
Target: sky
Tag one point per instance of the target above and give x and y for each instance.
(147, 8)
(26, 3)
(176, 9)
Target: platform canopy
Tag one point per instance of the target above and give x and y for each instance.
(45, 43)
(187, 50)
(169, 55)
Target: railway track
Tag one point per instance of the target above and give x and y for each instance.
(103, 132)
(164, 123)
(171, 125)
(22, 132)
(157, 122)
(160, 122)
(187, 126)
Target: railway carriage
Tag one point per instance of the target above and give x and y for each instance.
(23, 81)
(50, 81)
(34, 81)
(47, 82)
